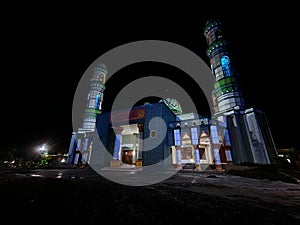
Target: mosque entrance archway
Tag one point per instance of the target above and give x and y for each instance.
(129, 145)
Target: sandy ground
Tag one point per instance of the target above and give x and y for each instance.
(81, 196)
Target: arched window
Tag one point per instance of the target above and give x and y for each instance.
(225, 65)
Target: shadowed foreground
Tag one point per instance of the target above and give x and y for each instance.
(81, 196)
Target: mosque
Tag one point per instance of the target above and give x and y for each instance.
(233, 135)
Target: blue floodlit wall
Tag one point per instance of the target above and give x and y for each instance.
(251, 138)
(162, 151)
(157, 154)
(240, 146)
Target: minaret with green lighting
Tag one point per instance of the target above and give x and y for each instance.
(81, 142)
(226, 90)
(242, 132)
(95, 97)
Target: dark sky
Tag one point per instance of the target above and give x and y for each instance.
(47, 51)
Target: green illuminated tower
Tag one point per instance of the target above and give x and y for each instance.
(95, 97)
(81, 141)
(243, 131)
(226, 89)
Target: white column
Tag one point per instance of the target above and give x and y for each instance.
(228, 156)
(140, 142)
(217, 158)
(197, 156)
(117, 147)
(85, 151)
(216, 146)
(177, 139)
(195, 142)
(178, 156)
(78, 145)
(118, 143)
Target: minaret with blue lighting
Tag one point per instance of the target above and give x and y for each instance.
(226, 91)
(81, 142)
(243, 132)
(95, 97)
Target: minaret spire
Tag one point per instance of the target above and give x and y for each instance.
(81, 141)
(226, 89)
(95, 97)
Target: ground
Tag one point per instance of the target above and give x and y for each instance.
(81, 196)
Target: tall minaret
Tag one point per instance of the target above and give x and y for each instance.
(95, 97)
(244, 131)
(226, 90)
(81, 142)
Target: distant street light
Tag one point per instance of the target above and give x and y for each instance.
(43, 149)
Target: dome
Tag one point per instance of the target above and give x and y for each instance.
(173, 105)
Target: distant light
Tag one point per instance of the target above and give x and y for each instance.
(63, 160)
(42, 149)
(59, 175)
(36, 175)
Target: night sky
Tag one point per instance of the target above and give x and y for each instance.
(47, 52)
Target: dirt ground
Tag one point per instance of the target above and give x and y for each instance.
(81, 196)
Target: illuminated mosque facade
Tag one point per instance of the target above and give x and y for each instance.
(234, 134)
